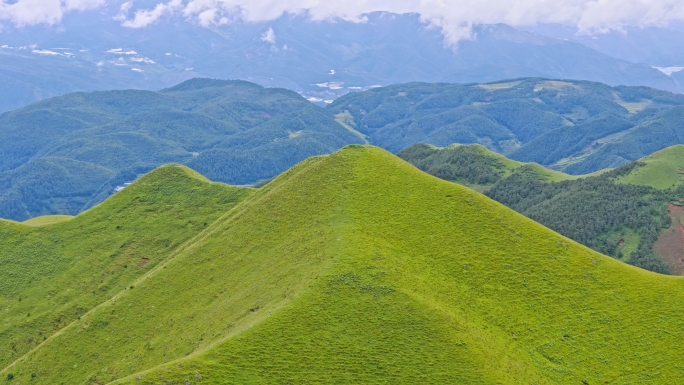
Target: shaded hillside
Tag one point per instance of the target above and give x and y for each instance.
(473, 165)
(65, 154)
(618, 213)
(358, 268)
(573, 126)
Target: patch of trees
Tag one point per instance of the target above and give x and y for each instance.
(588, 209)
(465, 164)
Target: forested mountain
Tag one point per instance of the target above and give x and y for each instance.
(625, 213)
(92, 51)
(473, 165)
(65, 154)
(349, 268)
(573, 126)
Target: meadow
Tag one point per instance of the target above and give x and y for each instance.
(357, 267)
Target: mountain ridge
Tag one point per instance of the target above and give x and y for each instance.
(404, 277)
(98, 54)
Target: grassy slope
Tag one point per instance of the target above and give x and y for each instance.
(52, 274)
(46, 220)
(662, 169)
(358, 268)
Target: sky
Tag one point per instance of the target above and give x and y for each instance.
(453, 17)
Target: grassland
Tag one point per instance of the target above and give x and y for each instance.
(52, 274)
(663, 169)
(47, 220)
(359, 268)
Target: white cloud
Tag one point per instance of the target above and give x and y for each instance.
(145, 17)
(669, 70)
(330, 85)
(45, 52)
(453, 17)
(145, 60)
(31, 12)
(120, 51)
(269, 36)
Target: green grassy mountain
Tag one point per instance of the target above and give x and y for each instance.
(662, 170)
(358, 268)
(574, 126)
(65, 154)
(622, 212)
(53, 271)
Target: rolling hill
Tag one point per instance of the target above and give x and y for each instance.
(54, 271)
(351, 268)
(662, 170)
(630, 213)
(572, 126)
(473, 165)
(65, 154)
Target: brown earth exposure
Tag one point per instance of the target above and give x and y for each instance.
(670, 243)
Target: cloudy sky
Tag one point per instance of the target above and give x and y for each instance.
(453, 17)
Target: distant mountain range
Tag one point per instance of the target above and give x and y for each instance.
(574, 126)
(321, 60)
(66, 154)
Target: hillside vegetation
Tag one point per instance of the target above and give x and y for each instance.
(662, 170)
(473, 165)
(65, 154)
(53, 272)
(359, 268)
(574, 126)
(619, 213)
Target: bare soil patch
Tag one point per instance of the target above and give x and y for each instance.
(670, 243)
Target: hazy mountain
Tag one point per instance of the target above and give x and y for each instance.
(322, 60)
(660, 47)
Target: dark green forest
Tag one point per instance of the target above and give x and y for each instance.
(589, 210)
(529, 120)
(65, 154)
(462, 164)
